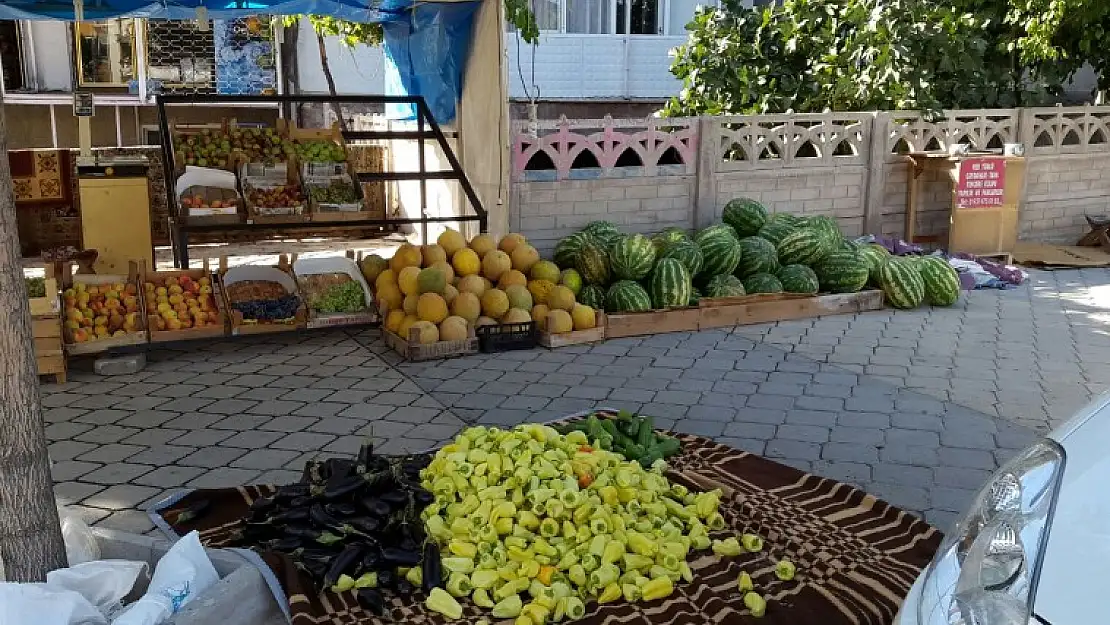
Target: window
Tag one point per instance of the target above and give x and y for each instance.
(11, 56)
(589, 17)
(105, 53)
(600, 17)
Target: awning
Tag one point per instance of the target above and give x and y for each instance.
(350, 10)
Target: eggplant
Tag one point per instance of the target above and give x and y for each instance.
(328, 538)
(301, 502)
(395, 498)
(285, 545)
(371, 560)
(343, 488)
(386, 579)
(263, 504)
(375, 507)
(343, 563)
(403, 586)
(431, 568)
(341, 509)
(316, 569)
(320, 518)
(289, 492)
(400, 557)
(365, 456)
(372, 600)
(292, 515)
(301, 531)
(364, 524)
(422, 497)
(339, 468)
(408, 544)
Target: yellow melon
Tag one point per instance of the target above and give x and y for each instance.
(516, 315)
(494, 303)
(449, 294)
(467, 306)
(496, 263)
(409, 280)
(431, 307)
(452, 329)
(447, 270)
(545, 270)
(406, 323)
(511, 277)
(486, 281)
(510, 241)
(429, 333)
(390, 298)
(386, 277)
(372, 267)
(393, 320)
(524, 256)
(540, 290)
(466, 262)
(561, 298)
(485, 321)
(482, 244)
(408, 255)
(409, 304)
(451, 241)
(584, 317)
(559, 321)
(472, 284)
(519, 297)
(539, 313)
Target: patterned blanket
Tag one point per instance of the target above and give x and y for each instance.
(856, 556)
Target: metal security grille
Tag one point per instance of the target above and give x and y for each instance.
(233, 57)
(180, 56)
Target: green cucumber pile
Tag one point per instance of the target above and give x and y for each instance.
(632, 436)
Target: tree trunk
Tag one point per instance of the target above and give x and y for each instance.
(331, 80)
(30, 537)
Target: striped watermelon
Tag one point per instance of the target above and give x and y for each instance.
(670, 284)
(778, 226)
(631, 257)
(721, 254)
(842, 271)
(804, 246)
(593, 264)
(687, 253)
(827, 225)
(695, 296)
(762, 283)
(757, 255)
(942, 283)
(746, 216)
(627, 296)
(566, 251)
(603, 232)
(715, 230)
(798, 279)
(593, 296)
(875, 255)
(902, 283)
(664, 239)
(724, 286)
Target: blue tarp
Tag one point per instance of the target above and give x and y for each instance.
(351, 10)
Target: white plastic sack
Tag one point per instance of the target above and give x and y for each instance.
(103, 583)
(183, 573)
(81, 545)
(23, 604)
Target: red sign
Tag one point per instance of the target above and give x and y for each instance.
(981, 183)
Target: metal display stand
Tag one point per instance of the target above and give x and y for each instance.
(427, 130)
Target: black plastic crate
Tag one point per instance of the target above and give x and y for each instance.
(507, 337)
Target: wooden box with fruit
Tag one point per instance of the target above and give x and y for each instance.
(334, 291)
(275, 199)
(102, 311)
(262, 299)
(182, 305)
(227, 145)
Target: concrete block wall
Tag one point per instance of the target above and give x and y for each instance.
(1060, 190)
(832, 191)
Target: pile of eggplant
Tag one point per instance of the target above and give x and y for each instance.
(350, 524)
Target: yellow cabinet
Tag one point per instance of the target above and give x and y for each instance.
(115, 221)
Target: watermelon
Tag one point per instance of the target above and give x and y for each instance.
(670, 284)
(695, 296)
(828, 227)
(757, 255)
(875, 256)
(593, 264)
(942, 283)
(777, 229)
(842, 271)
(714, 230)
(804, 246)
(848, 244)
(593, 296)
(721, 254)
(627, 296)
(746, 216)
(664, 239)
(631, 257)
(724, 286)
(604, 232)
(762, 283)
(798, 279)
(687, 253)
(566, 251)
(902, 283)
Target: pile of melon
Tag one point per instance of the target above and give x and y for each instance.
(445, 290)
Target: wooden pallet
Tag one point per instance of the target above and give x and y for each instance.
(751, 309)
(413, 351)
(50, 355)
(576, 337)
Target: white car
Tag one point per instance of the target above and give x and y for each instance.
(1035, 545)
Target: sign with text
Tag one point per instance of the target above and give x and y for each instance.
(981, 183)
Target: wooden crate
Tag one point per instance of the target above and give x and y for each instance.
(366, 317)
(50, 356)
(651, 322)
(136, 337)
(724, 312)
(187, 334)
(577, 337)
(47, 305)
(240, 326)
(413, 351)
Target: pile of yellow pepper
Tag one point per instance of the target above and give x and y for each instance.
(531, 512)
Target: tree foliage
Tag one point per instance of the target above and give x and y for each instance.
(812, 55)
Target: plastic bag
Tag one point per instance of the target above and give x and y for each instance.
(21, 604)
(183, 573)
(103, 583)
(81, 545)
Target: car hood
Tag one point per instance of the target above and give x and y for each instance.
(1077, 557)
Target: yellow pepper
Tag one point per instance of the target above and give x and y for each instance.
(458, 565)
(503, 526)
(657, 588)
(785, 570)
(752, 542)
(439, 601)
(744, 582)
(605, 575)
(458, 584)
(484, 578)
(716, 522)
(636, 562)
(575, 609)
(701, 543)
(727, 547)
(685, 571)
(612, 592)
(415, 576)
(481, 598)
(518, 585)
(755, 603)
(509, 607)
(631, 592)
(641, 544)
(523, 620)
(577, 575)
(367, 580)
(535, 612)
(544, 576)
(343, 584)
(462, 549)
(613, 551)
(530, 569)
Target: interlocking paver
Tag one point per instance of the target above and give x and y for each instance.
(66, 470)
(224, 477)
(264, 459)
(303, 441)
(212, 457)
(115, 473)
(114, 452)
(170, 477)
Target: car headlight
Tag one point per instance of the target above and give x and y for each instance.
(985, 572)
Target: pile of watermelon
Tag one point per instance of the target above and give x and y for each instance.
(751, 251)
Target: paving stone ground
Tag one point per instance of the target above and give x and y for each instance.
(916, 407)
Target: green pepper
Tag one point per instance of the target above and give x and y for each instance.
(439, 601)
(784, 570)
(508, 607)
(755, 603)
(646, 434)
